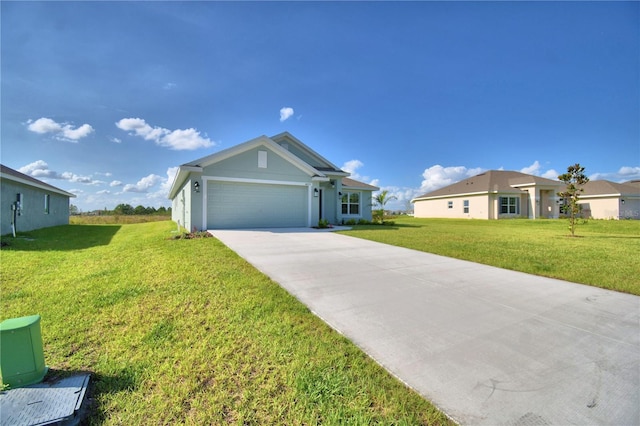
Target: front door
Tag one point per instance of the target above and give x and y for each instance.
(320, 216)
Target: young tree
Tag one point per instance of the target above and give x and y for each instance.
(574, 179)
(380, 200)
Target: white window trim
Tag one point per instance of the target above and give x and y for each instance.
(509, 204)
(359, 203)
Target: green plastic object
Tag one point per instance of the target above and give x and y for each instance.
(21, 354)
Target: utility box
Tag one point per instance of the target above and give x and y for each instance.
(21, 353)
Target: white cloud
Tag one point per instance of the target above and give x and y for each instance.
(551, 174)
(629, 172)
(115, 183)
(180, 139)
(624, 174)
(533, 169)
(61, 131)
(436, 177)
(40, 169)
(103, 192)
(352, 166)
(115, 140)
(143, 184)
(171, 175)
(44, 125)
(285, 113)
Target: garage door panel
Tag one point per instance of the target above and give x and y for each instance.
(254, 205)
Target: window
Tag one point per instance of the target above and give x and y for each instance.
(350, 203)
(465, 206)
(509, 205)
(47, 203)
(450, 204)
(262, 159)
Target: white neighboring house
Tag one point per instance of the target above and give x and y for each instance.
(266, 183)
(603, 199)
(496, 194)
(28, 203)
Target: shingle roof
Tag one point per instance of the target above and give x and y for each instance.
(8, 172)
(605, 187)
(492, 181)
(352, 183)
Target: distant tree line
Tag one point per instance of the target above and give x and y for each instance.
(125, 209)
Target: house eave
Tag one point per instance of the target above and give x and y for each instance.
(200, 164)
(181, 177)
(36, 185)
(439, 197)
(612, 195)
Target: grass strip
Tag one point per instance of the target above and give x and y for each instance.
(605, 253)
(185, 331)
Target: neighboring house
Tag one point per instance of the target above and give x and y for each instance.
(29, 204)
(263, 183)
(495, 194)
(602, 199)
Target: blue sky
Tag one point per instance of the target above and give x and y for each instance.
(106, 99)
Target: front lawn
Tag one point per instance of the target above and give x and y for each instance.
(184, 331)
(605, 253)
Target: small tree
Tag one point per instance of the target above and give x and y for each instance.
(380, 200)
(123, 209)
(574, 179)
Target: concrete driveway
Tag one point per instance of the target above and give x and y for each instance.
(486, 345)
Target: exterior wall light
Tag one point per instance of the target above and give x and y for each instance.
(196, 186)
(315, 192)
(340, 194)
(622, 201)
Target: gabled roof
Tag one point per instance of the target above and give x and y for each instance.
(354, 184)
(599, 188)
(318, 172)
(320, 163)
(14, 175)
(493, 181)
(635, 183)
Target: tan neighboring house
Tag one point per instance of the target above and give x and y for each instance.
(603, 199)
(495, 194)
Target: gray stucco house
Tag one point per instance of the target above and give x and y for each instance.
(28, 203)
(266, 183)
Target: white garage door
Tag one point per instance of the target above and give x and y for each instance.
(256, 205)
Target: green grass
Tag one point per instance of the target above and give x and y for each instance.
(604, 254)
(185, 331)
